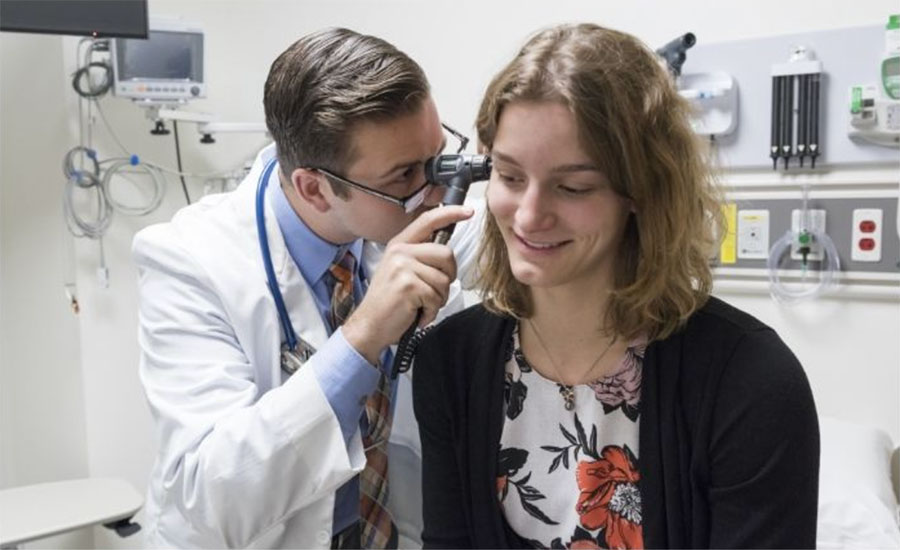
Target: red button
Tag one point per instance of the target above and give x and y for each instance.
(867, 226)
(866, 244)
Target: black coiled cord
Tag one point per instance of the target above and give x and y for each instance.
(92, 92)
(409, 343)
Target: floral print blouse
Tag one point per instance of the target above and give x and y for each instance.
(569, 478)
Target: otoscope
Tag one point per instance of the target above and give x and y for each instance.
(675, 52)
(455, 172)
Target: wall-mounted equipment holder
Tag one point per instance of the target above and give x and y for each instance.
(795, 109)
(873, 118)
(849, 249)
(715, 100)
(849, 56)
(875, 109)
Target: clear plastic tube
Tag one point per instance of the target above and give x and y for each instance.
(158, 187)
(830, 265)
(79, 225)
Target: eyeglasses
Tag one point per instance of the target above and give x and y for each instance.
(410, 202)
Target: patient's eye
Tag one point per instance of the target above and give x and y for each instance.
(508, 178)
(575, 191)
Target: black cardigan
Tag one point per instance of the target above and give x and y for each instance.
(729, 438)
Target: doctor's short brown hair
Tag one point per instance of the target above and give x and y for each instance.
(635, 126)
(326, 83)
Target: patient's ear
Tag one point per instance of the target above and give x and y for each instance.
(312, 187)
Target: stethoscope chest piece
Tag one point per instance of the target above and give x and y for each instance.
(293, 359)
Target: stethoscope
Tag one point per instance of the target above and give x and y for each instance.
(294, 351)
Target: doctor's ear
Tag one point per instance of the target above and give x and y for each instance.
(312, 187)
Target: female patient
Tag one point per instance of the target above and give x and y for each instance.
(599, 397)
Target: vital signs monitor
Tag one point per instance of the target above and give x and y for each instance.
(167, 67)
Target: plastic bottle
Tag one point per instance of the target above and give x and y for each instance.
(890, 64)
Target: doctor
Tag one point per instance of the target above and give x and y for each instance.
(268, 396)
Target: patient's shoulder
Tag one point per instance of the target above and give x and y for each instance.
(473, 323)
(472, 336)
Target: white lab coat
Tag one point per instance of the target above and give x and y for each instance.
(248, 457)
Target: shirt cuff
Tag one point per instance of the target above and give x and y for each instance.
(347, 379)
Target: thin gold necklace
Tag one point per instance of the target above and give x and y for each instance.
(566, 391)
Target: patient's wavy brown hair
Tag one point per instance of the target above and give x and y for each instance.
(635, 126)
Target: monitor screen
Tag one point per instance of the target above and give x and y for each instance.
(100, 18)
(165, 56)
(167, 67)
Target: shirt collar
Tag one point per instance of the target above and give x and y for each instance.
(312, 254)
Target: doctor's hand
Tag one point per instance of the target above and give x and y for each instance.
(413, 273)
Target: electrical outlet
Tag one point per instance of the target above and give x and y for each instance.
(753, 234)
(866, 240)
(815, 223)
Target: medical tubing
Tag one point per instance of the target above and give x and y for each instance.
(830, 264)
(178, 159)
(91, 92)
(95, 228)
(82, 178)
(159, 187)
(216, 174)
(85, 68)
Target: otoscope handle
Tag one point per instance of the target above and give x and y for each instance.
(455, 194)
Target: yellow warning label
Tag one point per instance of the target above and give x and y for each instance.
(728, 251)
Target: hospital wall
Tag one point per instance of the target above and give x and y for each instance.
(72, 405)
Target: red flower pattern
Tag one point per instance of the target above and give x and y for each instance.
(608, 503)
(610, 499)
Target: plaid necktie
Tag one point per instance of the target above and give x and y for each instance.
(342, 290)
(378, 530)
(376, 525)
